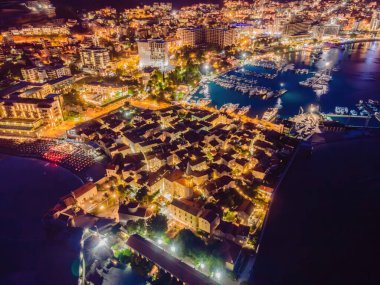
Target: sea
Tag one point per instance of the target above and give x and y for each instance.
(31, 254)
(355, 72)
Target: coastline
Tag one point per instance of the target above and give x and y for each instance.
(81, 175)
(4, 153)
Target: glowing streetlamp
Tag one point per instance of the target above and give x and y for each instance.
(102, 242)
(172, 248)
(282, 84)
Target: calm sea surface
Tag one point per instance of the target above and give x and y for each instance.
(31, 255)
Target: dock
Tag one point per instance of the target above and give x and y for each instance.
(332, 115)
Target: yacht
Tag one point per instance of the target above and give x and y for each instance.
(281, 92)
(353, 113)
(203, 102)
(377, 116)
(244, 110)
(270, 114)
(373, 102)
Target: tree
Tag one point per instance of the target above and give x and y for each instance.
(136, 227)
(141, 193)
(157, 225)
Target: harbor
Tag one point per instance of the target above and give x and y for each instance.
(329, 78)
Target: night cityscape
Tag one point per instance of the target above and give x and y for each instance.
(195, 142)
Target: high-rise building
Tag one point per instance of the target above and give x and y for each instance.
(193, 37)
(375, 21)
(222, 37)
(296, 28)
(328, 30)
(153, 53)
(95, 58)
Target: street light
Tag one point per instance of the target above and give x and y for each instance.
(282, 84)
(218, 275)
(172, 248)
(207, 67)
(102, 242)
(202, 265)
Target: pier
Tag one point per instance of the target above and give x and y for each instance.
(349, 117)
(331, 115)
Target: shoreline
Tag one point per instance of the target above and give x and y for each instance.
(80, 176)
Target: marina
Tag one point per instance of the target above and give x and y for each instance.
(327, 78)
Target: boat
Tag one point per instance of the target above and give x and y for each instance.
(341, 110)
(281, 92)
(377, 116)
(203, 102)
(353, 113)
(373, 102)
(279, 103)
(231, 108)
(270, 114)
(244, 110)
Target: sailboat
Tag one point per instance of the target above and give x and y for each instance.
(279, 103)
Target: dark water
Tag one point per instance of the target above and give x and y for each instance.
(28, 188)
(324, 220)
(31, 255)
(358, 78)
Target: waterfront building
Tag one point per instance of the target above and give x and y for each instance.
(375, 21)
(279, 24)
(84, 193)
(94, 58)
(296, 28)
(153, 53)
(26, 109)
(328, 30)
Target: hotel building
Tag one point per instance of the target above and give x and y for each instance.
(153, 53)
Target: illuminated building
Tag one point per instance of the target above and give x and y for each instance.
(221, 37)
(193, 37)
(375, 21)
(25, 109)
(42, 74)
(190, 36)
(94, 58)
(326, 30)
(190, 214)
(296, 28)
(153, 53)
